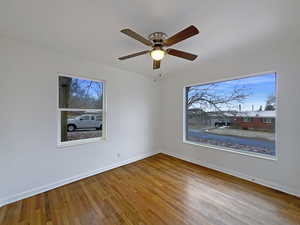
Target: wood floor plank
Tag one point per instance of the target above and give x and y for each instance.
(159, 190)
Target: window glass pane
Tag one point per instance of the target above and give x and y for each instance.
(237, 114)
(79, 93)
(77, 125)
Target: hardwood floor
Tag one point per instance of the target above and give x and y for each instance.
(157, 190)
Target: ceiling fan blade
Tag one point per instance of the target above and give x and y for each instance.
(156, 64)
(181, 54)
(136, 36)
(134, 55)
(182, 35)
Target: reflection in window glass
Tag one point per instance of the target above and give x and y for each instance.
(236, 114)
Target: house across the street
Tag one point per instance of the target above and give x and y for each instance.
(255, 120)
(247, 120)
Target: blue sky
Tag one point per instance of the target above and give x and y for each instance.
(259, 88)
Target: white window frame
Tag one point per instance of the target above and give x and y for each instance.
(231, 150)
(59, 110)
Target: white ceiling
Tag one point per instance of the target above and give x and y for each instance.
(91, 28)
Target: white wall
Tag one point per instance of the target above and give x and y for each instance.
(29, 158)
(280, 54)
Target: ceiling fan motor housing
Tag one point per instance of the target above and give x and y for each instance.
(157, 38)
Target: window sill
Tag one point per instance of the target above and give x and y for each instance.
(79, 142)
(256, 155)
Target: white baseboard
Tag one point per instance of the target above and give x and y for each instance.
(48, 187)
(266, 183)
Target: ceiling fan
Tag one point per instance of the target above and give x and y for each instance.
(158, 40)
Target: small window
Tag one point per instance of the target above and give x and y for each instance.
(237, 115)
(247, 119)
(80, 102)
(84, 118)
(267, 120)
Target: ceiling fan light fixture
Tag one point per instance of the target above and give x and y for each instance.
(157, 54)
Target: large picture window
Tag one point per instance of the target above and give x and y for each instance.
(237, 115)
(81, 110)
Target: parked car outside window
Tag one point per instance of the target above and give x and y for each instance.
(84, 122)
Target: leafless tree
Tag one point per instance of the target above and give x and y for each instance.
(85, 94)
(211, 97)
